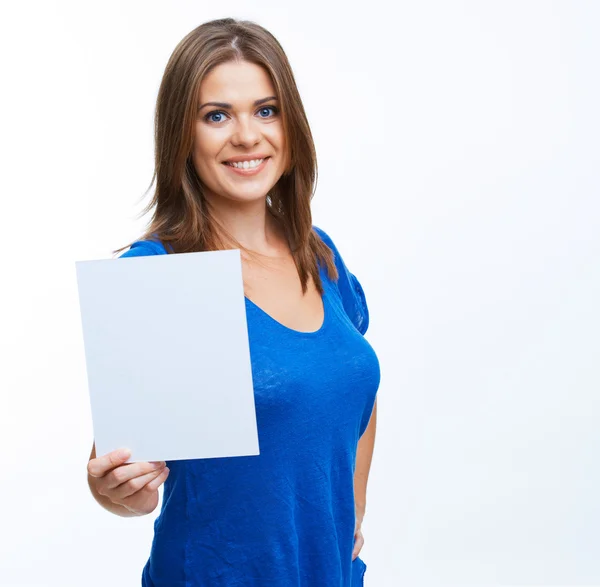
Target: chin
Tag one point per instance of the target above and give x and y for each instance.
(249, 197)
(251, 193)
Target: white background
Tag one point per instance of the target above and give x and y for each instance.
(458, 146)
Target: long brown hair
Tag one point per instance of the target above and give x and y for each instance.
(182, 220)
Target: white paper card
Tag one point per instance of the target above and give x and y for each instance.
(167, 355)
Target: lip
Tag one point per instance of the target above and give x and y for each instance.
(249, 172)
(243, 158)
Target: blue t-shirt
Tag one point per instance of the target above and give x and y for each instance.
(284, 518)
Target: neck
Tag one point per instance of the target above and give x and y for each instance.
(249, 224)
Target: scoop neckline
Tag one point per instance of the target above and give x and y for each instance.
(270, 318)
(292, 330)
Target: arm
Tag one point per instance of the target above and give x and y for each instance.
(364, 456)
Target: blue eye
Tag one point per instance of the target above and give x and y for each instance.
(210, 115)
(266, 110)
(218, 116)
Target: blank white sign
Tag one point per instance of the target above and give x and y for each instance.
(167, 355)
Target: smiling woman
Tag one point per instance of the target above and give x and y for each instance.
(235, 168)
(212, 108)
(242, 123)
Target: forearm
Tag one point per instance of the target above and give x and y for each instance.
(364, 456)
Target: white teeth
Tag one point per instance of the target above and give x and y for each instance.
(246, 164)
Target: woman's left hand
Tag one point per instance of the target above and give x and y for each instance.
(358, 542)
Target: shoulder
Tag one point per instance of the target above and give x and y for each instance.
(350, 288)
(324, 237)
(144, 248)
(337, 257)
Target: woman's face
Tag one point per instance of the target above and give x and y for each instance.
(238, 121)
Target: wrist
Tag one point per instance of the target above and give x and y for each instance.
(359, 511)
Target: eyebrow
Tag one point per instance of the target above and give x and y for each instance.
(230, 106)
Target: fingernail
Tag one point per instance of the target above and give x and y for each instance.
(124, 453)
(159, 464)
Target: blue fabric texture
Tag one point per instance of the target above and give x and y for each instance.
(284, 518)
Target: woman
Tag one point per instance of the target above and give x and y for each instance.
(236, 168)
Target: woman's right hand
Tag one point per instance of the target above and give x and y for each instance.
(133, 486)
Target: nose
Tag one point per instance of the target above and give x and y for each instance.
(246, 132)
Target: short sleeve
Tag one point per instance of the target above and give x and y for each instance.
(143, 249)
(351, 291)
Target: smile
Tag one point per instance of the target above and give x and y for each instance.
(247, 167)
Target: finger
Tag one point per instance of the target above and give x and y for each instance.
(146, 496)
(358, 544)
(123, 474)
(126, 473)
(134, 485)
(98, 467)
(154, 485)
